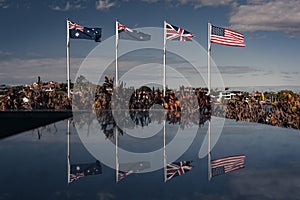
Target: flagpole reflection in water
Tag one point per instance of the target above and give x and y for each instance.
(208, 150)
(68, 146)
(165, 156)
(117, 158)
(224, 165)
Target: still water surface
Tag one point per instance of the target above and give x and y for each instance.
(34, 166)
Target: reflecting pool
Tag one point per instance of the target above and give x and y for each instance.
(246, 161)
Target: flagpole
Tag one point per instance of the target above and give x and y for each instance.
(165, 155)
(117, 158)
(68, 58)
(208, 58)
(68, 157)
(117, 44)
(209, 155)
(164, 75)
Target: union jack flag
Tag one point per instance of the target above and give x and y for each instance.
(228, 164)
(176, 33)
(178, 168)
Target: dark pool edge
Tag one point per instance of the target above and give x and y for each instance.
(14, 122)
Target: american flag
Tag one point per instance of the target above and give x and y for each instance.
(176, 33)
(226, 36)
(227, 164)
(178, 168)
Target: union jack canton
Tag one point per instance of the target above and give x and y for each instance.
(122, 28)
(176, 33)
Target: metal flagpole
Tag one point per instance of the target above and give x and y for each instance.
(209, 155)
(117, 44)
(209, 88)
(117, 158)
(165, 155)
(68, 58)
(208, 59)
(164, 75)
(68, 157)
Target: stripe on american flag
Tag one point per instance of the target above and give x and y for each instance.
(227, 37)
(229, 163)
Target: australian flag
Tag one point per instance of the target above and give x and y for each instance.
(126, 33)
(130, 168)
(80, 170)
(80, 32)
(178, 168)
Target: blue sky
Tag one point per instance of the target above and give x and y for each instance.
(33, 36)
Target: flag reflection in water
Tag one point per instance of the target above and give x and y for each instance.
(227, 164)
(178, 168)
(87, 169)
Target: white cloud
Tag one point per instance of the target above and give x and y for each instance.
(276, 15)
(151, 1)
(4, 4)
(201, 3)
(68, 5)
(5, 53)
(104, 4)
(194, 3)
(15, 4)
